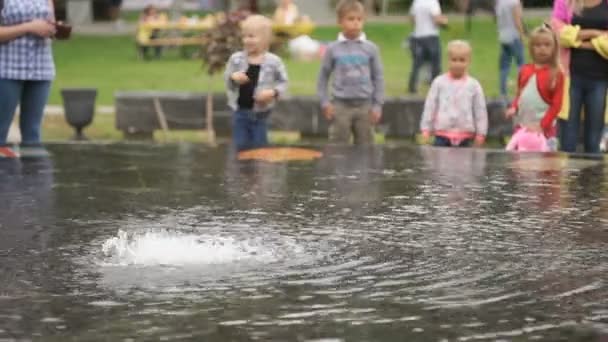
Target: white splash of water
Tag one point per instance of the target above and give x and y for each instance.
(153, 248)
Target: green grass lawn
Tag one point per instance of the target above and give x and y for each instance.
(110, 64)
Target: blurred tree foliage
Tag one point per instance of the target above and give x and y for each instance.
(219, 43)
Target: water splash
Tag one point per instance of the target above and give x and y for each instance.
(153, 248)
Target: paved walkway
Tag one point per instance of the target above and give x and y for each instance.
(58, 110)
(14, 135)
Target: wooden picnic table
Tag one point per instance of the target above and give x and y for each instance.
(185, 25)
(172, 33)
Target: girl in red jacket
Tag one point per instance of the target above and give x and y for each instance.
(540, 92)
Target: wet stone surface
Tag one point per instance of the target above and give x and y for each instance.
(183, 242)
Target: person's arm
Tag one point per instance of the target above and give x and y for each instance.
(571, 36)
(230, 69)
(440, 20)
(282, 80)
(38, 27)
(265, 96)
(438, 17)
(514, 106)
(323, 78)
(8, 33)
(431, 106)
(480, 112)
(411, 15)
(522, 77)
(518, 18)
(555, 105)
(377, 76)
(585, 35)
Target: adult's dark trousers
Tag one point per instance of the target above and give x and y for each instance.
(424, 50)
(590, 94)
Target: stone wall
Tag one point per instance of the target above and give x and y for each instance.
(136, 115)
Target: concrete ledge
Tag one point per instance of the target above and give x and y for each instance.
(135, 114)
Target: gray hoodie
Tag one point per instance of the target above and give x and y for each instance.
(357, 72)
(273, 75)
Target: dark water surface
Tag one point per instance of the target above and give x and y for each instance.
(182, 242)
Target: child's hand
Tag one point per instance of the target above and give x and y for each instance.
(479, 141)
(375, 116)
(510, 113)
(239, 77)
(265, 96)
(441, 20)
(329, 111)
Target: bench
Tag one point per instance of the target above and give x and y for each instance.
(137, 115)
(174, 41)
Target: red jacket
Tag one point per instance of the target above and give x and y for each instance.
(551, 92)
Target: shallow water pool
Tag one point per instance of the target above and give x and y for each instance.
(182, 242)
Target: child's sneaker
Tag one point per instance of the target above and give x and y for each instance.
(7, 152)
(604, 143)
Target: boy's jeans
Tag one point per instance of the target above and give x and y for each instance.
(351, 117)
(508, 51)
(249, 129)
(32, 97)
(590, 94)
(424, 49)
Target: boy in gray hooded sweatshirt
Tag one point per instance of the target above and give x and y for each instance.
(358, 81)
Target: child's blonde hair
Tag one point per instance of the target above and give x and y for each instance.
(459, 44)
(554, 60)
(346, 6)
(259, 23)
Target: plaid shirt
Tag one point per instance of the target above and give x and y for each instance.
(28, 57)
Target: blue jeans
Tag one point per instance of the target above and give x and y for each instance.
(508, 52)
(32, 96)
(424, 50)
(589, 94)
(249, 129)
(445, 142)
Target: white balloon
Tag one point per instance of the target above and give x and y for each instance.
(304, 48)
